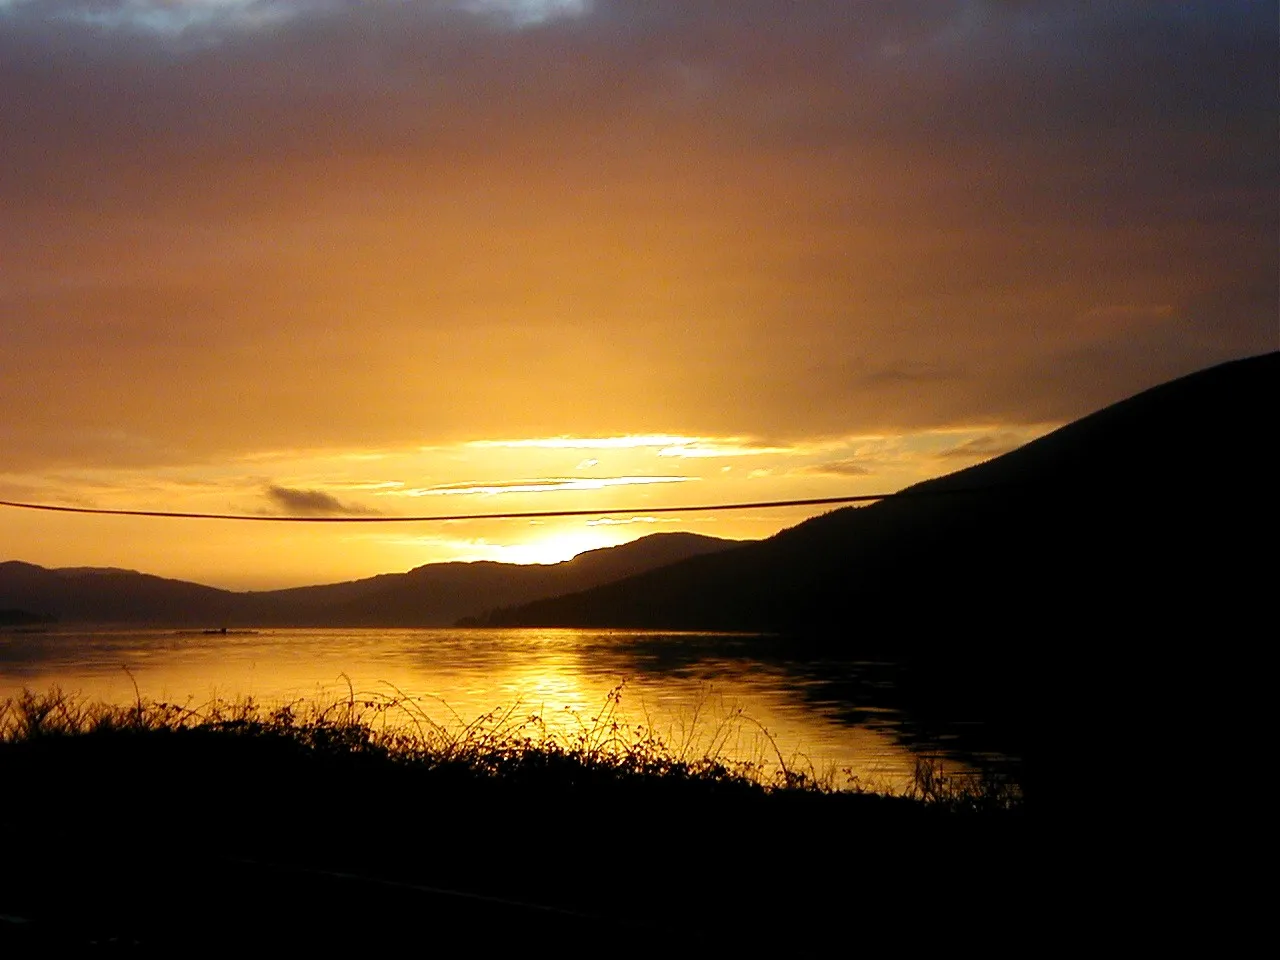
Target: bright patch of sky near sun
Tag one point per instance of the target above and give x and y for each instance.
(636, 472)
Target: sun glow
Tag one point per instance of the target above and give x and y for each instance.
(554, 548)
(628, 442)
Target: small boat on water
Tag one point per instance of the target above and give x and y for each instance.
(215, 632)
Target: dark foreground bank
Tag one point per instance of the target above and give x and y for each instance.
(149, 830)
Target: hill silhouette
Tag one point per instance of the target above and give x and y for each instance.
(440, 594)
(108, 595)
(1148, 508)
(431, 595)
(1066, 592)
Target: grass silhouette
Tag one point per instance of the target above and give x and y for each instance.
(505, 746)
(310, 824)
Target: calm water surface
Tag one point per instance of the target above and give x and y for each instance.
(701, 693)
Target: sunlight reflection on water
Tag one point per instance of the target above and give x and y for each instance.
(697, 692)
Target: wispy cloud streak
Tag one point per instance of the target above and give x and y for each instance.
(540, 485)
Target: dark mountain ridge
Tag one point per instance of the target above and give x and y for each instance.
(1152, 510)
(430, 595)
(101, 595)
(1096, 599)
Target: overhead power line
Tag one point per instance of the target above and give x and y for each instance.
(520, 515)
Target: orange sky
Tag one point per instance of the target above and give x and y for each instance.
(309, 256)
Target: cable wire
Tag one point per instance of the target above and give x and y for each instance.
(438, 518)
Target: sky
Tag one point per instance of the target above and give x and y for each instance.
(380, 258)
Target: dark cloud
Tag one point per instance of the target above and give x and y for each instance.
(1000, 88)
(982, 448)
(837, 468)
(312, 503)
(317, 223)
(909, 372)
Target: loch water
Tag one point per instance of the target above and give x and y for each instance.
(735, 696)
